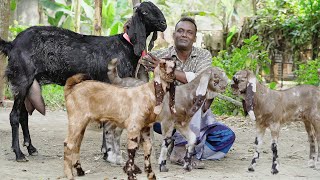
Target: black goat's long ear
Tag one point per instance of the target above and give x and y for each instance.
(154, 37)
(137, 33)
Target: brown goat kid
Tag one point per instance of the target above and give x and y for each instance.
(134, 109)
(271, 108)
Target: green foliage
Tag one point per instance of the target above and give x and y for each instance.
(250, 56)
(15, 29)
(307, 73)
(53, 96)
(222, 107)
(114, 14)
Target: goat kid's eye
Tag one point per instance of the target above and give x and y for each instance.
(144, 12)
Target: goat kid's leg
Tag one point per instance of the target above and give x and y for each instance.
(191, 138)
(133, 144)
(14, 122)
(147, 148)
(275, 128)
(107, 142)
(316, 126)
(116, 144)
(72, 150)
(25, 129)
(257, 148)
(311, 138)
(167, 129)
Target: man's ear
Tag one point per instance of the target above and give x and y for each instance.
(195, 39)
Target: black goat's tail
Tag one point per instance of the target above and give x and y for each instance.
(74, 80)
(5, 47)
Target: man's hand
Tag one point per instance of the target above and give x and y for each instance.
(149, 62)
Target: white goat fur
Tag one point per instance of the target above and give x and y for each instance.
(271, 108)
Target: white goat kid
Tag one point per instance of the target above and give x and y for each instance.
(271, 108)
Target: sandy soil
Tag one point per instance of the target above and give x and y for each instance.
(48, 133)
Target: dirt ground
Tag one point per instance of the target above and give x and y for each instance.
(48, 133)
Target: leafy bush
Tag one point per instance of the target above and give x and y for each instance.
(307, 73)
(251, 56)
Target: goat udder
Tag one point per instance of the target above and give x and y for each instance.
(34, 99)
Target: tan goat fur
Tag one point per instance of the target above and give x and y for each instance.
(131, 108)
(272, 108)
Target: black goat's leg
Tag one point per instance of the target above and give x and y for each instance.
(14, 122)
(26, 134)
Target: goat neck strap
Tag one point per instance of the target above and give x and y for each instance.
(159, 93)
(197, 103)
(126, 37)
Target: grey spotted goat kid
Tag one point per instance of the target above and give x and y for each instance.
(134, 109)
(271, 109)
(188, 99)
(49, 55)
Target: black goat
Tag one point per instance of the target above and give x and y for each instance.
(50, 55)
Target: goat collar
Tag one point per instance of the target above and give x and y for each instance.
(126, 37)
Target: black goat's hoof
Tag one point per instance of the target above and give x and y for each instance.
(20, 157)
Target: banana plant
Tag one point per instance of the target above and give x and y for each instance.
(114, 14)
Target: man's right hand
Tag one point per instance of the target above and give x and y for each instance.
(149, 61)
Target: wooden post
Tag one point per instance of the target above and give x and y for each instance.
(4, 24)
(97, 17)
(77, 15)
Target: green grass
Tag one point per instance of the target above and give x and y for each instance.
(52, 94)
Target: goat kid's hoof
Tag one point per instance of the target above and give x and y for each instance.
(187, 167)
(250, 169)
(163, 168)
(311, 163)
(274, 171)
(136, 170)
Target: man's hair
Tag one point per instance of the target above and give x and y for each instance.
(187, 19)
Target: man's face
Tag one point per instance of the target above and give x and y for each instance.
(184, 35)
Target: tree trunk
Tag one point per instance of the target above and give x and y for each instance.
(4, 24)
(77, 15)
(134, 2)
(315, 45)
(97, 17)
(254, 7)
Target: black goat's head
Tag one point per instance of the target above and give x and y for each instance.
(147, 18)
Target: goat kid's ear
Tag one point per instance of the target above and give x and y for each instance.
(252, 82)
(203, 85)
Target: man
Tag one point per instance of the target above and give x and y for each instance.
(216, 139)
